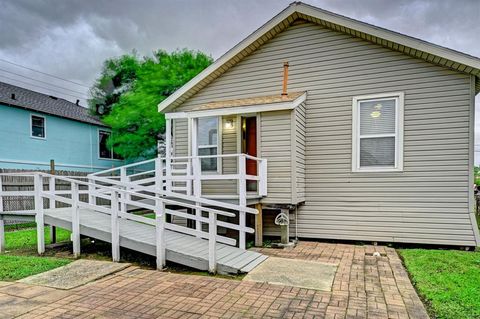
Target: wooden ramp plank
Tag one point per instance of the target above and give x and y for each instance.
(254, 264)
(181, 248)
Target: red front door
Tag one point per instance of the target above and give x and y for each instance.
(250, 148)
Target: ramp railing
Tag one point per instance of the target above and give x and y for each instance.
(185, 176)
(120, 195)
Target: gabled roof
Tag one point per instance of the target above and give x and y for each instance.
(396, 41)
(44, 103)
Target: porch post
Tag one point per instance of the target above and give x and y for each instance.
(259, 226)
(242, 198)
(39, 218)
(197, 169)
(168, 153)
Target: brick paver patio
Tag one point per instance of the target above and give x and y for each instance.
(364, 287)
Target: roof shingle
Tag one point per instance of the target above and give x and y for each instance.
(44, 103)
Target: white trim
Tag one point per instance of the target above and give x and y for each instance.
(399, 114)
(300, 8)
(98, 147)
(240, 109)
(238, 120)
(44, 127)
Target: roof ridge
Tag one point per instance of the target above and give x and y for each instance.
(44, 103)
(450, 58)
(40, 93)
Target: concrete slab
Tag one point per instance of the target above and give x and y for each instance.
(5, 283)
(12, 306)
(294, 272)
(25, 291)
(75, 274)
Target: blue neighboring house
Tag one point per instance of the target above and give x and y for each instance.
(36, 128)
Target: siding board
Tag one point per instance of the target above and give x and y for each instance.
(426, 203)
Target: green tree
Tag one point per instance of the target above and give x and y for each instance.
(117, 77)
(136, 123)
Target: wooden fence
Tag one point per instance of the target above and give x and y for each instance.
(23, 183)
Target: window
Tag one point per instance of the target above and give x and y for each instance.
(378, 133)
(104, 151)
(207, 129)
(37, 126)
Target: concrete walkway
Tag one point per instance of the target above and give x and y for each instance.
(364, 286)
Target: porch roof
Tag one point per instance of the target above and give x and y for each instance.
(245, 105)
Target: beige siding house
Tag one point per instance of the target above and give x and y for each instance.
(367, 135)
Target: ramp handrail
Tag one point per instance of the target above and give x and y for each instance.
(183, 175)
(117, 196)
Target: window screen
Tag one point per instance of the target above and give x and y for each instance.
(377, 133)
(104, 151)
(38, 126)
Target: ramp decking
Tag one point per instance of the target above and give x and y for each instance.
(180, 248)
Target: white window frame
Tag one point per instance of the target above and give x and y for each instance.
(99, 152)
(218, 145)
(399, 110)
(44, 127)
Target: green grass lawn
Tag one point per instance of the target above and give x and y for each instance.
(18, 267)
(14, 267)
(27, 238)
(448, 280)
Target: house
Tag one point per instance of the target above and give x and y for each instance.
(357, 132)
(37, 128)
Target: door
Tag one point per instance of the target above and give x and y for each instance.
(249, 146)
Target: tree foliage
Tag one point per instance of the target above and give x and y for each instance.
(134, 118)
(117, 77)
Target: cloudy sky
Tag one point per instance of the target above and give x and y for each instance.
(71, 38)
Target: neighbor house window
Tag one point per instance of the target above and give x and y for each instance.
(378, 133)
(207, 129)
(104, 151)
(37, 126)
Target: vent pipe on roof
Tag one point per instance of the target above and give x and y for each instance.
(78, 101)
(13, 96)
(285, 78)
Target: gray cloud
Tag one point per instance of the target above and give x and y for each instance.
(72, 38)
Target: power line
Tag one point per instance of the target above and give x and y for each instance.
(45, 88)
(53, 76)
(26, 77)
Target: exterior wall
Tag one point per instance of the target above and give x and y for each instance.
(426, 203)
(276, 147)
(180, 137)
(73, 145)
(300, 148)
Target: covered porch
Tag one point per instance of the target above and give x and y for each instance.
(220, 151)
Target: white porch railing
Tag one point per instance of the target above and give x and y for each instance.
(122, 194)
(184, 175)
